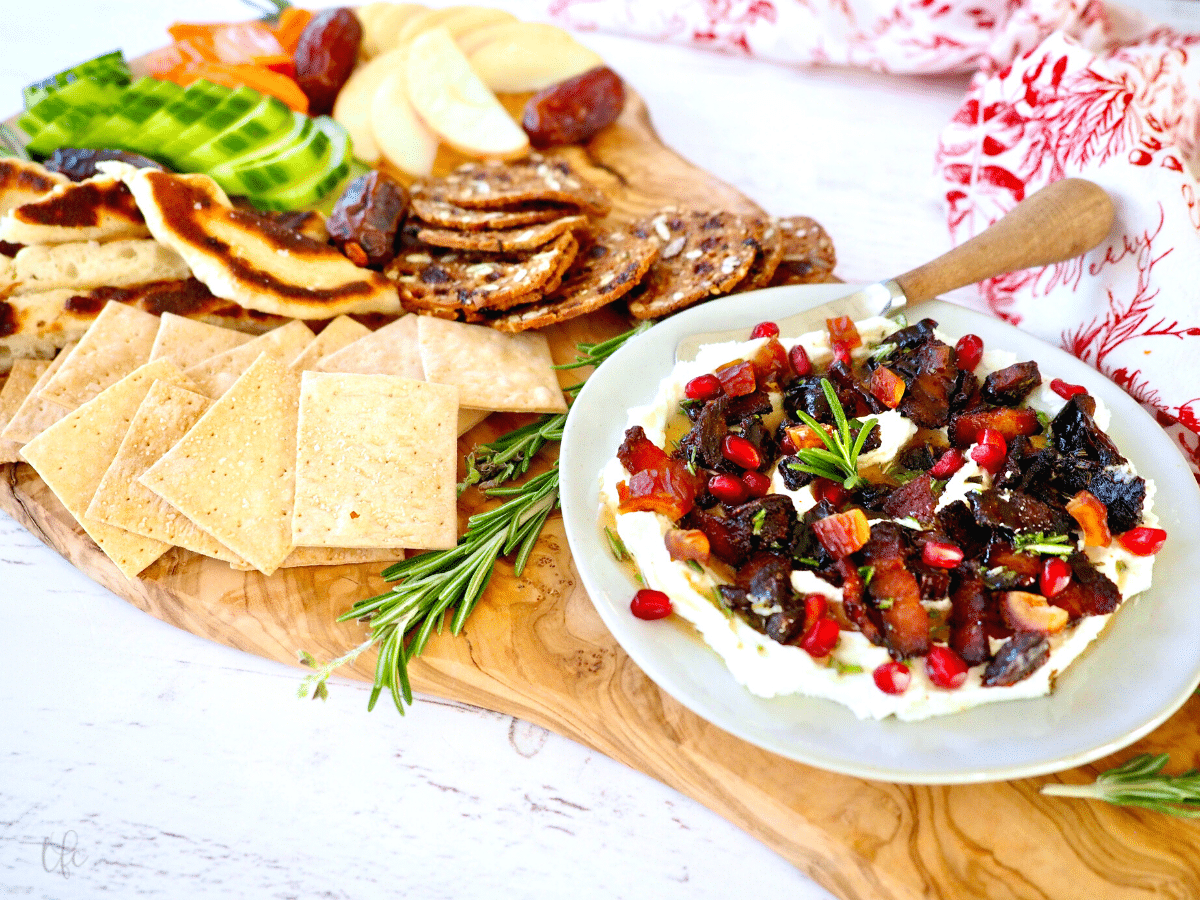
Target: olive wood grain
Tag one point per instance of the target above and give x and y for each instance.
(1062, 220)
(536, 648)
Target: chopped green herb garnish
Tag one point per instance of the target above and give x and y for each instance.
(1050, 544)
(616, 545)
(759, 519)
(695, 565)
(807, 561)
(846, 668)
(885, 603)
(866, 573)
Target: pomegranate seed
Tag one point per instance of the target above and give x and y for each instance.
(821, 638)
(992, 438)
(989, 456)
(892, 677)
(968, 351)
(740, 452)
(830, 491)
(841, 354)
(649, 604)
(1143, 541)
(764, 329)
(757, 484)
(798, 357)
(945, 668)
(815, 607)
(1065, 389)
(702, 387)
(948, 463)
(1056, 575)
(728, 489)
(941, 554)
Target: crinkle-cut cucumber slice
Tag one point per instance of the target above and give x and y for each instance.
(324, 178)
(227, 172)
(108, 67)
(261, 126)
(85, 98)
(204, 129)
(262, 175)
(198, 100)
(140, 101)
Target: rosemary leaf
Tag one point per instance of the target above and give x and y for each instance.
(1140, 782)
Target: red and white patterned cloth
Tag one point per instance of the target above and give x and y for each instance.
(1061, 88)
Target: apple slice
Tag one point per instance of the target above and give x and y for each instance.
(459, 20)
(352, 109)
(454, 103)
(402, 138)
(528, 56)
(386, 24)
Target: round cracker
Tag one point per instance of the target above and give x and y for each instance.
(538, 178)
(501, 240)
(808, 253)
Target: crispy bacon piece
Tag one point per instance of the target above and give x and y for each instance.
(737, 378)
(842, 533)
(687, 543)
(657, 482)
(965, 428)
(896, 592)
(1089, 593)
(842, 331)
(887, 387)
(770, 362)
(855, 610)
(968, 637)
(914, 499)
(638, 452)
(1012, 384)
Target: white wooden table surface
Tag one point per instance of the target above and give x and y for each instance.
(139, 760)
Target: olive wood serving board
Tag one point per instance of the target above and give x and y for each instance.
(535, 648)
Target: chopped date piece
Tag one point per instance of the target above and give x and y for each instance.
(367, 217)
(1075, 433)
(79, 163)
(966, 427)
(755, 403)
(927, 400)
(957, 522)
(1020, 656)
(769, 520)
(1012, 469)
(1122, 494)
(731, 547)
(706, 435)
(1011, 385)
(843, 533)
(966, 393)
(912, 500)
(575, 110)
(325, 55)
(794, 478)
(919, 458)
(968, 607)
(914, 335)
(806, 394)
(1015, 512)
(767, 580)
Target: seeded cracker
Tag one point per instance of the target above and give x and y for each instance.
(72, 456)
(610, 265)
(503, 240)
(769, 238)
(234, 473)
(453, 284)
(21, 379)
(375, 463)
(808, 253)
(35, 415)
(163, 418)
(116, 343)
(435, 210)
(494, 371)
(535, 179)
(704, 254)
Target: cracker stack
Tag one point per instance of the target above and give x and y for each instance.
(282, 450)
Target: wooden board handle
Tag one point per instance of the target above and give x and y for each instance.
(1062, 220)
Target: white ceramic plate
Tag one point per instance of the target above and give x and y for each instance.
(1144, 666)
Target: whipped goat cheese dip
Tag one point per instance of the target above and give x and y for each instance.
(768, 668)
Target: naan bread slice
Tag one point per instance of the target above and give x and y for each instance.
(273, 269)
(97, 209)
(23, 182)
(85, 265)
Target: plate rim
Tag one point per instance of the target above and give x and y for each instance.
(580, 506)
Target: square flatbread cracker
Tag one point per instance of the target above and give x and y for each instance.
(35, 415)
(21, 379)
(234, 473)
(72, 456)
(217, 374)
(493, 371)
(375, 463)
(339, 333)
(302, 557)
(164, 417)
(188, 342)
(114, 345)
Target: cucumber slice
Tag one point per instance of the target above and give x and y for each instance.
(236, 105)
(262, 125)
(334, 166)
(84, 94)
(141, 100)
(264, 174)
(227, 172)
(108, 67)
(200, 98)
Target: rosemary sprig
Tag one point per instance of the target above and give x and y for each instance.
(1050, 544)
(838, 461)
(431, 585)
(1140, 782)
